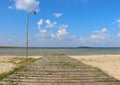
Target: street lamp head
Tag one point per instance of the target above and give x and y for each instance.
(35, 12)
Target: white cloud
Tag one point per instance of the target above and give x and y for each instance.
(100, 35)
(57, 15)
(63, 26)
(98, 38)
(10, 7)
(118, 34)
(53, 35)
(47, 21)
(37, 10)
(42, 33)
(46, 24)
(26, 5)
(81, 38)
(94, 36)
(118, 21)
(49, 24)
(61, 33)
(39, 23)
(104, 30)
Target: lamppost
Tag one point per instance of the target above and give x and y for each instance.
(27, 26)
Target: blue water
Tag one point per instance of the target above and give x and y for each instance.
(67, 51)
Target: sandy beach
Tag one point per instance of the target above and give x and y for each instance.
(8, 63)
(110, 64)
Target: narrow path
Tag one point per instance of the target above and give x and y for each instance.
(59, 70)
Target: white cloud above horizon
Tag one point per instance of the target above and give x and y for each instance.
(100, 33)
(39, 23)
(99, 36)
(10, 7)
(57, 15)
(61, 34)
(118, 34)
(62, 31)
(50, 24)
(25, 5)
(118, 22)
(44, 32)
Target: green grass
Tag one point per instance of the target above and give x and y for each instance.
(49, 72)
(67, 64)
(20, 65)
(13, 83)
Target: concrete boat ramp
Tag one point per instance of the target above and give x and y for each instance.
(59, 70)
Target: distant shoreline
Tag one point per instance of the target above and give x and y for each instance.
(59, 47)
(8, 47)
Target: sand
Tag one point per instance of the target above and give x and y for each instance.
(7, 63)
(107, 63)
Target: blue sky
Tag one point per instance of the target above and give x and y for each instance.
(61, 23)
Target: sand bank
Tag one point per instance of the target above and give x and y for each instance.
(107, 63)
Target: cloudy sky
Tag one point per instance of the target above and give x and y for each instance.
(60, 23)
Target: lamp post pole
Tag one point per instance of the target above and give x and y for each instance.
(27, 29)
(27, 23)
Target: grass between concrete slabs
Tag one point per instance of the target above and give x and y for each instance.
(20, 63)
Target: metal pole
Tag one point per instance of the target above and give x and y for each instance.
(27, 29)
(27, 23)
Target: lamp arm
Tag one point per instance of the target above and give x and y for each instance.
(31, 12)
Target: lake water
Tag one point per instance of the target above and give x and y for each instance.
(67, 51)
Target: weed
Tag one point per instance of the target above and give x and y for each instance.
(11, 82)
(49, 72)
(67, 64)
(20, 65)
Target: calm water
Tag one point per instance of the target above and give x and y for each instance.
(67, 51)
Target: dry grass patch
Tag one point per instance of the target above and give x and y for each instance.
(10, 64)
